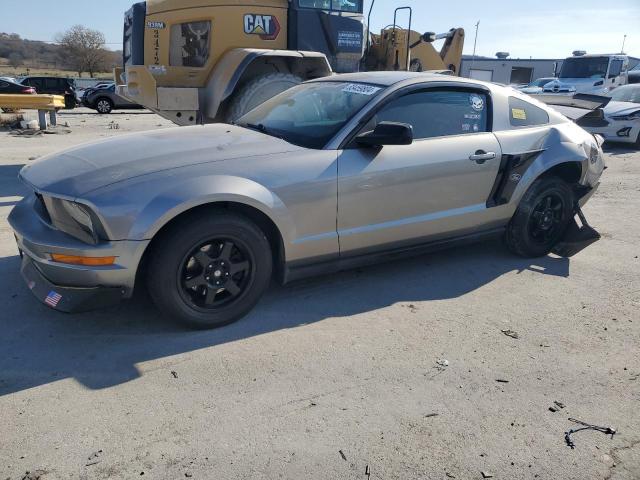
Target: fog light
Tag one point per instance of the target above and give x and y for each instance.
(624, 132)
(85, 261)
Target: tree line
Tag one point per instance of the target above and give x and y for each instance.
(79, 49)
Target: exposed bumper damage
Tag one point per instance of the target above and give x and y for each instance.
(577, 237)
(67, 299)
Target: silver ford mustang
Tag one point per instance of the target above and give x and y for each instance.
(331, 174)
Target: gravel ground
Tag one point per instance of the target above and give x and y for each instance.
(337, 377)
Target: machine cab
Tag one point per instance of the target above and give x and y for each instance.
(333, 27)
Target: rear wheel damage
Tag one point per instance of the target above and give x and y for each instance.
(542, 218)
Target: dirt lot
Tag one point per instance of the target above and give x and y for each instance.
(337, 377)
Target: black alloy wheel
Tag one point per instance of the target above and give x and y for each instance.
(547, 217)
(216, 273)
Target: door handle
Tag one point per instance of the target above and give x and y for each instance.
(481, 156)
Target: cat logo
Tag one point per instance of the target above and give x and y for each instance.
(267, 26)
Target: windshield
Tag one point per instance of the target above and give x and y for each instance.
(627, 93)
(585, 67)
(310, 114)
(336, 5)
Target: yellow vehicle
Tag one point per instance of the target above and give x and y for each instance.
(204, 61)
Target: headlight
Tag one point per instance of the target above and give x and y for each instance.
(72, 218)
(626, 118)
(78, 213)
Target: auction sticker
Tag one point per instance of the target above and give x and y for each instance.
(361, 88)
(518, 113)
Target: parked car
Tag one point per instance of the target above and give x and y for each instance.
(634, 74)
(104, 99)
(333, 173)
(621, 122)
(10, 87)
(536, 86)
(54, 86)
(82, 92)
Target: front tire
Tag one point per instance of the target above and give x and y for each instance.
(104, 106)
(258, 91)
(210, 269)
(541, 219)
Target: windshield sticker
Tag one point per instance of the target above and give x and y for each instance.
(361, 89)
(472, 116)
(477, 102)
(518, 114)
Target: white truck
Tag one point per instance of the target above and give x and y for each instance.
(592, 74)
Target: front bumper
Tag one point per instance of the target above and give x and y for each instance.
(618, 131)
(37, 240)
(67, 299)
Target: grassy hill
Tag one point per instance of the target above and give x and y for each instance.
(40, 58)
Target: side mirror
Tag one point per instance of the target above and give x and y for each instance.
(387, 133)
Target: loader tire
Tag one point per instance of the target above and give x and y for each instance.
(257, 91)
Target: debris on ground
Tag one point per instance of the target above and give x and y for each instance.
(174, 374)
(35, 475)
(428, 415)
(510, 333)
(412, 308)
(559, 404)
(556, 406)
(367, 471)
(94, 458)
(114, 125)
(26, 133)
(486, 475)
(585, 426)
(344, 457)
(501, 380)
(442, 362)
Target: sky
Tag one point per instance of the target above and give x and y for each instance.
(524, 28)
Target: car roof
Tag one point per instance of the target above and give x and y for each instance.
(387, 79)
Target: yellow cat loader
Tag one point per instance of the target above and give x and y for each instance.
(204, 61)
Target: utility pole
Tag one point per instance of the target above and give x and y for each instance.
(475, 42)
(624, 40)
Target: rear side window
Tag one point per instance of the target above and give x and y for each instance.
(439, 113)
(524, 114)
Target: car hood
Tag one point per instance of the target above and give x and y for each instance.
(621, 108)
(79, 170)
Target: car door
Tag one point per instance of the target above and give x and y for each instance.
(436, 187)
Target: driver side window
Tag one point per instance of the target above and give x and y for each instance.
(437, 113)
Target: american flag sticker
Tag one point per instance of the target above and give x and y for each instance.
(53, 299)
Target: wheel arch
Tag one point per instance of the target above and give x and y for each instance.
(240, 65)
(570, 170)
(253, 214)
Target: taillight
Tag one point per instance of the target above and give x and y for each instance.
(29, 91)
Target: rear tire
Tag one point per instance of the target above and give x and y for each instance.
(210, 269)
(104, 106)
(541, 219)
(258, 91)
